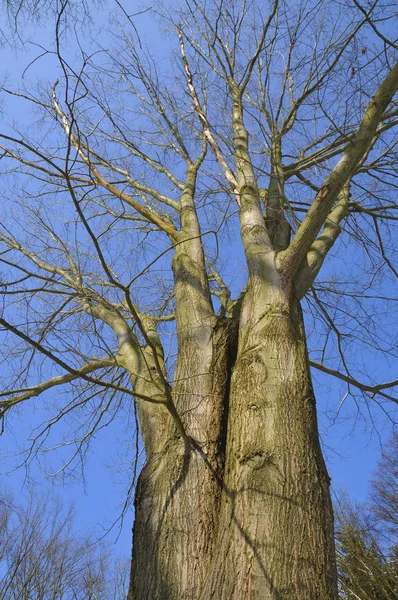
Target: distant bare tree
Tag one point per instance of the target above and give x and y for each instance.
(366, 570)
(167, 224)
(385, 488)
(43, 557)
(20, 10)
(367, 536)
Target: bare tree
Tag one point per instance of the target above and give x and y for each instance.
(273, 125)
(20, 10)
(367, 570)
(43, 557)
(367, 548)
(20, 17)
(385, 488)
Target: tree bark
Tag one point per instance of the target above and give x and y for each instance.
(257, 524)
(275, 539)
(272, 536)
(178, 494)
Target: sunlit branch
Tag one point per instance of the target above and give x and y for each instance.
(135, 184)
(230, 177)
(19, 395)
(345, 168)
(38, 346)
(322, 245)
(12, 243)
(330, 151)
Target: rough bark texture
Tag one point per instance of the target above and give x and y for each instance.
(178, 496)
(179, 492)
(184, 502)
(272, 537)
(233, 502)
(257, 524)
(275, 537)
(238, 507)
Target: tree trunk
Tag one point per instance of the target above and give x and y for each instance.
(272, 536)
(179, 492)
(178, 496)
(275, 539)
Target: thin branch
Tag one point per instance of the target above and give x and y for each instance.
(150, 215)
(230, 177)
(371, 389)
(21, 394)
(373, 26)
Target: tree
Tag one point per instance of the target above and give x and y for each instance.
(21, 10)
(43, 557)
(366, 571)
(272, 124)
(385, 488)
(367, 551)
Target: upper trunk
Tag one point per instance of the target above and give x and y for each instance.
(275, 538)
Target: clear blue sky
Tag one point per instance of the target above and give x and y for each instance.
(352, 449)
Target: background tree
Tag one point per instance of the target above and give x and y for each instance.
(19, 12)
(367, 549)
(272, 124)
(385, 488)
(366, 569)
(43, 557)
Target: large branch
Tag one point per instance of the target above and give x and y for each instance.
(333, 149)
(319, 249)
(292, 258)
(277, 225)
(21, 394)
(38, 346)
(256, 241)
(132, 352)
(41, 264)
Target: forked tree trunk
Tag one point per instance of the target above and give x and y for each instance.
(272, 536)
(244, 513)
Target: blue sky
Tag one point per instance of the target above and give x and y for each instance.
(352, 447)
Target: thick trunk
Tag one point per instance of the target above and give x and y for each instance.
(275, 538)
(178, 496)
(272, 535)
(179, 492)
(269, 535)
